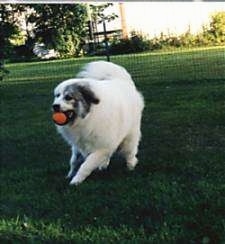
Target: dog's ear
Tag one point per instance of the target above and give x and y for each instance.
(88, 95)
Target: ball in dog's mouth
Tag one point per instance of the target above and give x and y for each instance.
(63, 117)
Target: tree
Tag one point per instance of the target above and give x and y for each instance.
(60, 26)
(98, 15)
(217, 27)
(8, 28)
(215, 32)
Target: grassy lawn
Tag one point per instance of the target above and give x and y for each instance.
(175, 195)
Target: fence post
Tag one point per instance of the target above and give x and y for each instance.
(106, 41)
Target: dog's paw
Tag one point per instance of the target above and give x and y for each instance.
(131, 164)
(101, 168)
(76, 180)
(104, 166)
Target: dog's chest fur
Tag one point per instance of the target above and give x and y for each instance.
(84, 138)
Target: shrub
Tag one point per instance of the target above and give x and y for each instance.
(21, 53)
(217, 27)
(136, 43)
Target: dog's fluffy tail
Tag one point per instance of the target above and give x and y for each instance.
(102, 70)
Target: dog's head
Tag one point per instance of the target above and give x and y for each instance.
(74, 98)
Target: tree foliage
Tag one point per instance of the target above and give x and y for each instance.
(60, 26)
(64, 28)
(98, 13)
(8, 28)
(217, 27)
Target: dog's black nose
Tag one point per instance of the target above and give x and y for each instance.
(56, 107)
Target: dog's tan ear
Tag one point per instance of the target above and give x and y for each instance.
(88, 94)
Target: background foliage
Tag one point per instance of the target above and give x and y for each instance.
(211, 35)
(60, 26)
(64, 27)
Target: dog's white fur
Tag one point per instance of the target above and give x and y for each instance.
(113, 124)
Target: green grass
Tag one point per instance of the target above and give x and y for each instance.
(175, 195)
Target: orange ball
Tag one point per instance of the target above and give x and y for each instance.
(59, 118)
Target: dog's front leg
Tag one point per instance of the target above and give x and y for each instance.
(76, 160)
(92, 162)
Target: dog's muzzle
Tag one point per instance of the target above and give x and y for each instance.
(63, 117)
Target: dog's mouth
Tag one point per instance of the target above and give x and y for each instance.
(63, 117)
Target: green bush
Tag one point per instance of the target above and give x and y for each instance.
(68, 45)
(22, 53)
(216, 31)
(136, 43)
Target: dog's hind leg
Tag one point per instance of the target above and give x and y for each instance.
(75, 162)
(92, 162)
(129, 148)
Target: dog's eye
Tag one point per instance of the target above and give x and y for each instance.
(68, 98)
(57, 95)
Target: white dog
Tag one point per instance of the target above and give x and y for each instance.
(105, 110)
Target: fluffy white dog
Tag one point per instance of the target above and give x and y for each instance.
(104, 112)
